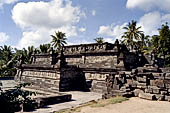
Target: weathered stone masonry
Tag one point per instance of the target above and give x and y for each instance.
(107, 68)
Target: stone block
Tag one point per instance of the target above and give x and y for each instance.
(116, 87)
(137, 91)
(148, 90)
(167, 83)
(147, 96)
(167, 78)
(134, 84)
(156, 90)
(134, 71)
(121, 73)
(160, 97)
(142, 79)
(167, 98)
(140, 69)
(157, 82)
(141, 85)
(129, 81)
(164, 92)
(167, 75)
(156, 74)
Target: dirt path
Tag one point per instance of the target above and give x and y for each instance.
(133, 105)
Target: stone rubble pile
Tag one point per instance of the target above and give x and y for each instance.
(146, 82)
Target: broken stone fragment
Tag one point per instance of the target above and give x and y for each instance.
(167, 98)
(147, 96)
(157, 82)
(137, 92)
(160, 97)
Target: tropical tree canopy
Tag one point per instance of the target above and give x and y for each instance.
(164, 39)
(44, 48)
(58, 40)
(132, 34)
(6, 61)
(143, 42)
(99, 40)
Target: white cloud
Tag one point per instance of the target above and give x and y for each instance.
(93, 12)
(35, 17)
(149, 4)
(112, 31)
(3, 37)
(150, 22)
(82, 41)
(82, 29)
(110, 40)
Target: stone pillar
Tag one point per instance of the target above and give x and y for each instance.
(121, 65)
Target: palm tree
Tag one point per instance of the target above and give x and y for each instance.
(6, 52)
(58, 40)
(143, 43)
(45, 48)
(7, 61)
(132, 34)
(99, 40)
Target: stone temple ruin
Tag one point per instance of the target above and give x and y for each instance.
(106, 68)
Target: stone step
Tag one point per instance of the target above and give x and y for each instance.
(101, 83)
(97, 90)
(147, 96)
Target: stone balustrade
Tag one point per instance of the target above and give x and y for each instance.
(85, 48)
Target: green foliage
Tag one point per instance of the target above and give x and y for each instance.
(155, 43)
(132, 34)
(58, 40)
(44, 48)
(7, 61)
(17, 97)
(99, 40)
(164, 43)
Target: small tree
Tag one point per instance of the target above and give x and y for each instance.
(132, 34)
(16, 97)
(99, 40)
(164, 43)
(44, 48)
(58, 40)
(143, 42)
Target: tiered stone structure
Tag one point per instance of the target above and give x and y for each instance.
(107, 68)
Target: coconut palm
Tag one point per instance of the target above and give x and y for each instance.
(6, 61)
(6, 53)
(99, 40)
(143, 43)
(58, 40)
(44, 48)
(132, 34)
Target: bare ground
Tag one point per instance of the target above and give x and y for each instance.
(133, 105)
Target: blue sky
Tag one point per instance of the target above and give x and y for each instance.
(31, 22)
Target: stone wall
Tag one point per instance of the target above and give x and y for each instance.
(145, 82)
(42, 59)
(91, 55)
(78, 67)
(41, 78)
(95, 55)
